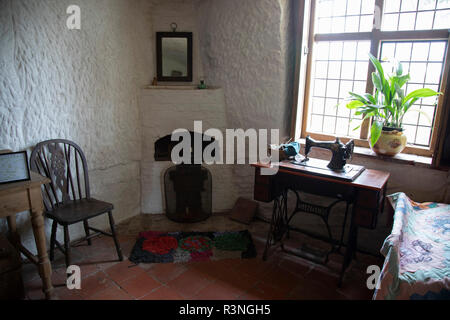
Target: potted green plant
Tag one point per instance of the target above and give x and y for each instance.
(387, 107)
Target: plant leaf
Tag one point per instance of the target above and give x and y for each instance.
(359, 97)
(367, 116)
(377, 66)
(421, 93)
(375, 132)
(400, 91)
(403, 79)
(377, 81)
(355, 104)
(371, 98)
(384, 82)
(409, 104)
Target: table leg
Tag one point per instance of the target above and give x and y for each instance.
(37, 221)
(13, 236)
(350, 251)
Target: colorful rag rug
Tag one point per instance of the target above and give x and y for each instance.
(177, 247)
(417, 264)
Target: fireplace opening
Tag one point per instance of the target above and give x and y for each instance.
(164, 146)
(187, 187)
(188, 193)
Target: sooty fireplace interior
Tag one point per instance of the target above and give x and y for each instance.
(187, 187)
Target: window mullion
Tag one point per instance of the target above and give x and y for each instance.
(374, 49)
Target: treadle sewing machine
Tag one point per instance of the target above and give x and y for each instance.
(337, 167)
(362, 189)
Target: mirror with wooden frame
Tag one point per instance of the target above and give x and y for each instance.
(174, 56)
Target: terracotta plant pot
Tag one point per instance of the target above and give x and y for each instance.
(391, 142)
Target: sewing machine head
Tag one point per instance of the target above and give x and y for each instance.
(341, 152)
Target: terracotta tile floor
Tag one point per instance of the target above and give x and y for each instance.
(283, 276)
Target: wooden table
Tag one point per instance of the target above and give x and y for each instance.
(366, 195)
(26, 196)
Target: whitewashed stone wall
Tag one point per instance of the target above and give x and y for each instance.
(81, 85)
(163, 111)
(247, 48)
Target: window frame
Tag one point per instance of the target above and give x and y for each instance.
(376, 37)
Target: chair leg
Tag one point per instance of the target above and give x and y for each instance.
(86, 229)
(53, 240)
(113, 232)
(67, 245)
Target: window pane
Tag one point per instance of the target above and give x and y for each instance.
(336, 50)
(334, 69)
(352, 24)
(424, 20)
(406, 21)
(344, 71)
(437, 51)
(349, 52)
(390, 22)
(404, 15)
(423, 135)
(324, 8)
(346, 87)
(366, 24)
(316, 123)
(321, 69)
(333, 88)
(318, 105)
(424, 60)
(331, 107)
(427, 4)
(408, 5)
(367, 7)
(329, 125)
(441, 20)
(420, 51)
(392, 6)
(443, 4)
(340, 16)
(418, 71)
(338, 25)
(348, 70)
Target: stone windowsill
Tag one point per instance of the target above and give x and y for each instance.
(403, 158)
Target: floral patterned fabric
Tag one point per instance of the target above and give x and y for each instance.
(417, 252)
(177, 247)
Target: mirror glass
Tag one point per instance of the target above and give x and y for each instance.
(174, 56)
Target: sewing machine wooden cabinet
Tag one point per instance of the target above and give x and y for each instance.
(365, 194)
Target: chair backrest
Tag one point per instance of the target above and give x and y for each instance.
(64, 163)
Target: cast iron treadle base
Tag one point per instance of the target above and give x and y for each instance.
(279, 227)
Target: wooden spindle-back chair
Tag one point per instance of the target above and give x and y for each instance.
(67, 198)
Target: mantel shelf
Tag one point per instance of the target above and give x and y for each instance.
(177, 87)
